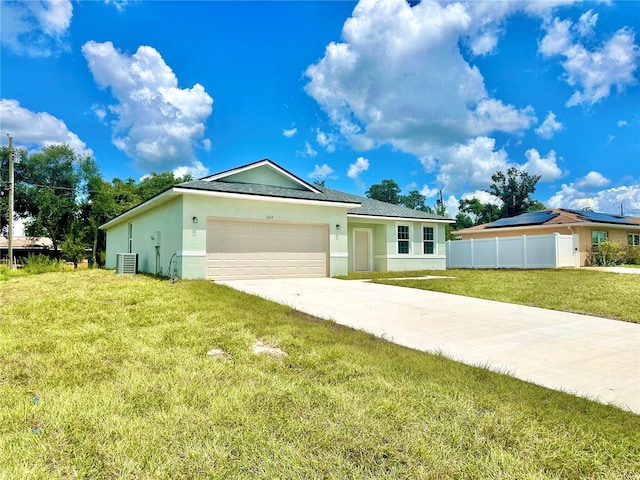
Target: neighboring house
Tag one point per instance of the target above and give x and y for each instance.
(261, 221)
(592, 228)
(22, 246)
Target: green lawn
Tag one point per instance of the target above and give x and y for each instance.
(106, 376)
(603, 294)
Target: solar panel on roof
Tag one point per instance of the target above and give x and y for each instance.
(602, 217)
(532, 218)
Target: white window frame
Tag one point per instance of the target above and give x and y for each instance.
(408, 239)
(595, 245)
(433, 240)
(633, 238)
(130, 236)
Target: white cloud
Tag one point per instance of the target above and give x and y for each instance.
(606, 201)
(355, 169)
(196, 170)
(99, 111)
(326, 140)
(119, 4)
(593, 73)
(592, 180)
(471, 164)
(622, 123)
(483, 197)
(307, 151)
(587, 23)
(546, 167)
(156, 123)
(37, 129)
(399, 77)
(429, 192)
(206, 144)
(36, 28)
(289, 132)
(549, 127)
(320, 172)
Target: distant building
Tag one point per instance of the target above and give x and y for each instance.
(592, 228)
(25, 246)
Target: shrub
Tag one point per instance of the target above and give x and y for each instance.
(607, 254)
(40, 264)
(632, 255)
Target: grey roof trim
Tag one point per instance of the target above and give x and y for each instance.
(265, 191)
(405, 218)
(268, 198)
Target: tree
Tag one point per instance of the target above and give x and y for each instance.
(416, 201)
(462, 221)
(386, 191)
(97, 206)
(481, 212)
(515, 190)
(155, 183)
(46, 187)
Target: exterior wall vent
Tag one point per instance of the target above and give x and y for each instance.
(126, 263)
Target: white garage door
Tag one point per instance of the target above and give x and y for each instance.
(239, 249)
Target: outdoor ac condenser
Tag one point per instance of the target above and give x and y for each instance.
(126, 263)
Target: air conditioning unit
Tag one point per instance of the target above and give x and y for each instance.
(126, 263)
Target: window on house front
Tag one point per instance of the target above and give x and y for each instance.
(598, 237)
(130, 235)
(634, 238)
(428, 242)
(403, 239)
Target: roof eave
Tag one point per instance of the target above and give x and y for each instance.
(268, 198)
(143, 207)
(406, 219)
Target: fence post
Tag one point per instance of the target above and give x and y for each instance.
(524, 250)
(556, 237)
(447, 251)
(472, 259)
(497, 247)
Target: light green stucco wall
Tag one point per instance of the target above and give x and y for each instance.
(163, 219)
(386, 257)
(263, 176)
(202, 206)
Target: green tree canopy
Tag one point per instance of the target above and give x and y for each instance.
(385, 191)
(416, 201)
(46, 187)
(515, 189)
(481, 212)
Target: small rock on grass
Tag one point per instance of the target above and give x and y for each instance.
(261, 348)
(216, 352)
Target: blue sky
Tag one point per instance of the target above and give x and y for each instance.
(435, 96)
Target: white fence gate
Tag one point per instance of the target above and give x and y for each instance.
(533, 251)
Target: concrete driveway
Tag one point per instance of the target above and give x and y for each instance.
(587, 356)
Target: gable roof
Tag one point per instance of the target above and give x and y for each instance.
(556, 216)
(237, 183)
(277, 175)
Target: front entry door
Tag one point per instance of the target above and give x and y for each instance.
(362, 250)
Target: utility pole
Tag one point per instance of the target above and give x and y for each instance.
(10, 238)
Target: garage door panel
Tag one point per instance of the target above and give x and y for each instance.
(262, 249)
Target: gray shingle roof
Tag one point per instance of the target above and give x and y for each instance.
(368, 206)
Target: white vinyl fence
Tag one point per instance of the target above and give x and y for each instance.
(526, 251)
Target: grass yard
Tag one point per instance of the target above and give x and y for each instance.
(603, 294)
(105, 377)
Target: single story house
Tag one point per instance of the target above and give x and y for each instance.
(261, 221)
(23, 246)
(591, 228)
